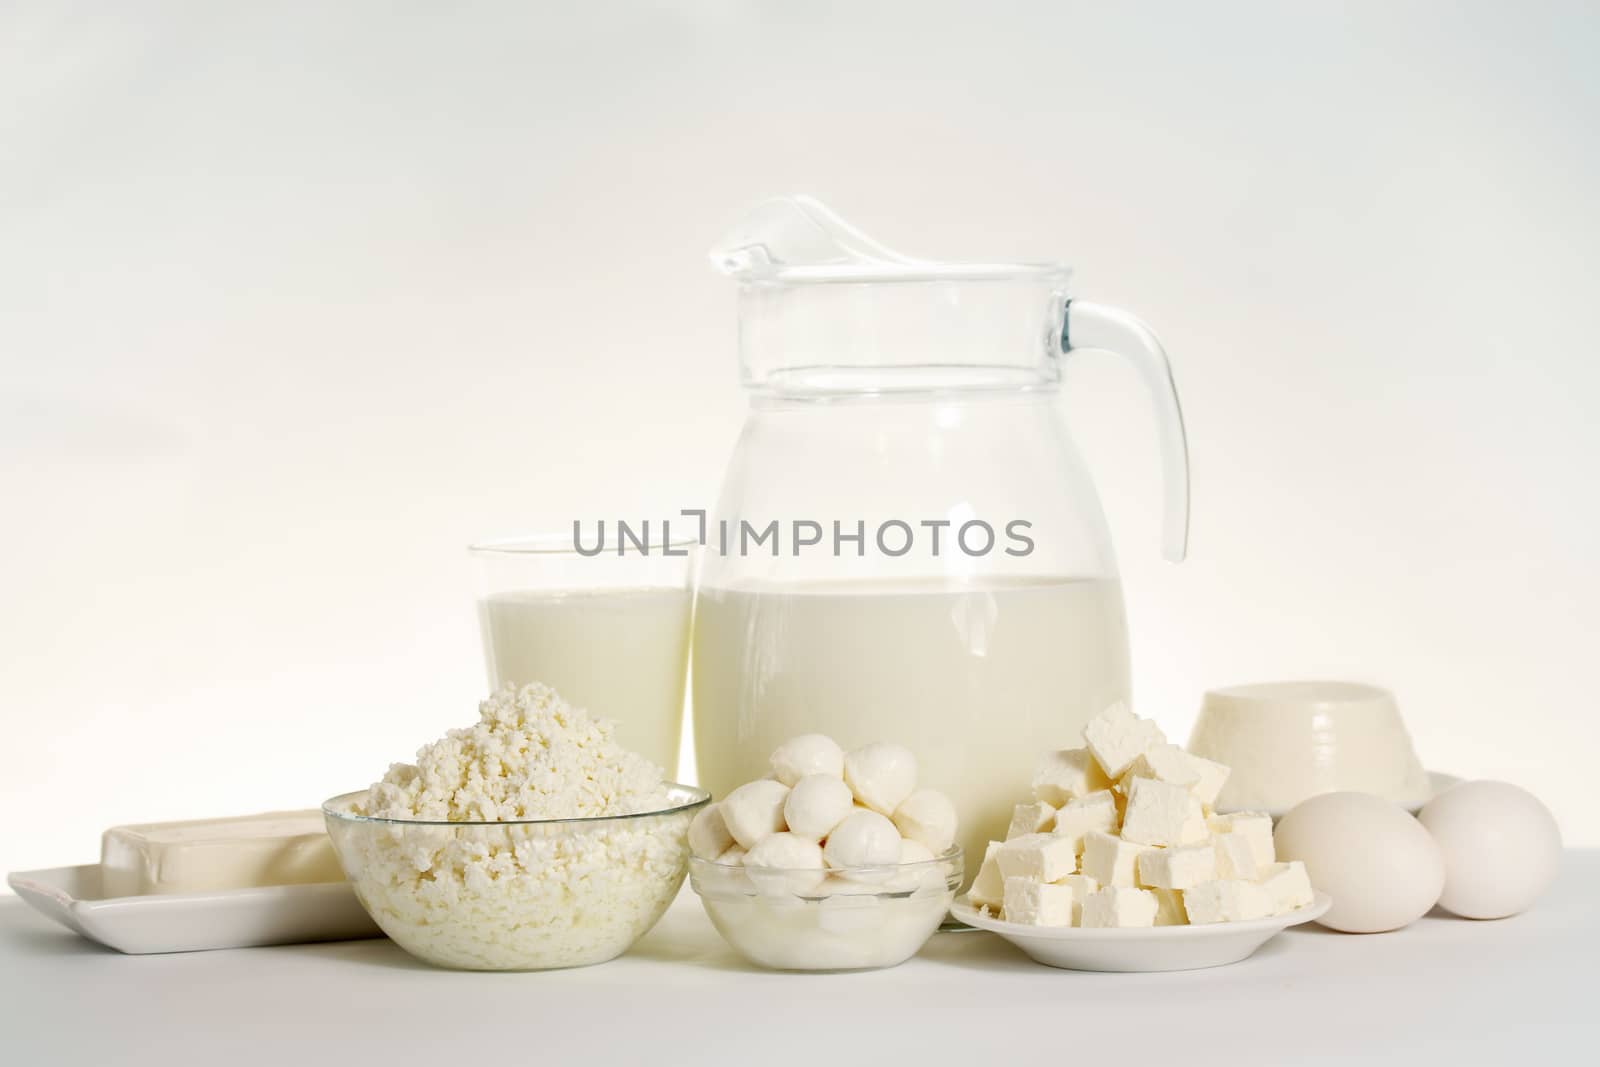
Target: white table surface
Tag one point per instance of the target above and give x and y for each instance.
(1442, 991)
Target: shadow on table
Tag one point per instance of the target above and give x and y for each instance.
(35, 936)
(370, 952)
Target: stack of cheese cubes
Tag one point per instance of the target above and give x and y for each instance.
(1121, 833)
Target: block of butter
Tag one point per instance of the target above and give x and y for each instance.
(276, 848)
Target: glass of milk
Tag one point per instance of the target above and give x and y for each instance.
(609, 632)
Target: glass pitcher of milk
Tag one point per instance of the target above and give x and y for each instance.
(907, 546)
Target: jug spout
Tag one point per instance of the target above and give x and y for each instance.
(787, 234)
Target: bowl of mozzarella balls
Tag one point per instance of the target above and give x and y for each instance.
(836, 861)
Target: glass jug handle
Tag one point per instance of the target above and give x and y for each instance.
(1087, 325)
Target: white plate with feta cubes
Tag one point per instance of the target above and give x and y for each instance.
(1151, 948)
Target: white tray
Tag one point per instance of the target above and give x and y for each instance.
(192, 922)
(1153, 948)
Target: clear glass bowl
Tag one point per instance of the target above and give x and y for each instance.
(518, 895)
(836, 920)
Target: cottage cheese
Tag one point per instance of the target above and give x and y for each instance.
(453, 881)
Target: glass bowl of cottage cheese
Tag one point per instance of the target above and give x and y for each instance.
(528, 841)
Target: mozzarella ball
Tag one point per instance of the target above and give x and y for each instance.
(806, 755)
(863, 839)
(754, 810)
(734, 857)
(881, 775)
(708, 834)
(816, 804)
(1501, 848)
(930, 876)
(1381, 867)
(927, 817)
(785, 863)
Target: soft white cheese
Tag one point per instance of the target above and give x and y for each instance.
(928, 818)
(708, 834)
(816, 804)
(1076, 819)
(1035, 818)
(1160, 813)
(505, 894)
(530, 755)
(277, 848)
(1111, 860)
(1169, 907)
(1257, 829)
(1236, 856)
(988, 888)
(1164, 763)
(1177, 868)
(1116, 737)
(1066, 775)
(1045, 857)
(1037, 903)
(1119, 906)
(1289, 885)
(1227, 901)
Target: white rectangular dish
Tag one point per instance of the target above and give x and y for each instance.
(193, 922)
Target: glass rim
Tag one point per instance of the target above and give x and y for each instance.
(553, 544)
(915, 273)
(953, 854)
(701, 799)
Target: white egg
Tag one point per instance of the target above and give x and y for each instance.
(1501, 848)
(1379, 865)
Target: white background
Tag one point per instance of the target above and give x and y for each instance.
(298, 299)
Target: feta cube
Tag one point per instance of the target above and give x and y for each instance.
(1160, 813)
(1257, 828)
(1037, 903)
(1081, 885)
(1066, 775)
(1289, 885)
(1164, 763)
(1177, 868)
(1236, 856)
(1097, 811)
(1042, 857)
(1169, 907)
(1110, 860)
(1213, 776)
(1116, 737)
(988, 889)
(1227, 900)
(1034, 818)
(1119, 906)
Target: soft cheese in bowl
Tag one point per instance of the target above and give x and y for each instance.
(527, 841)
(836, 862)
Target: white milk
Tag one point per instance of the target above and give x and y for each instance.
(977, 680)
(620, 653)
